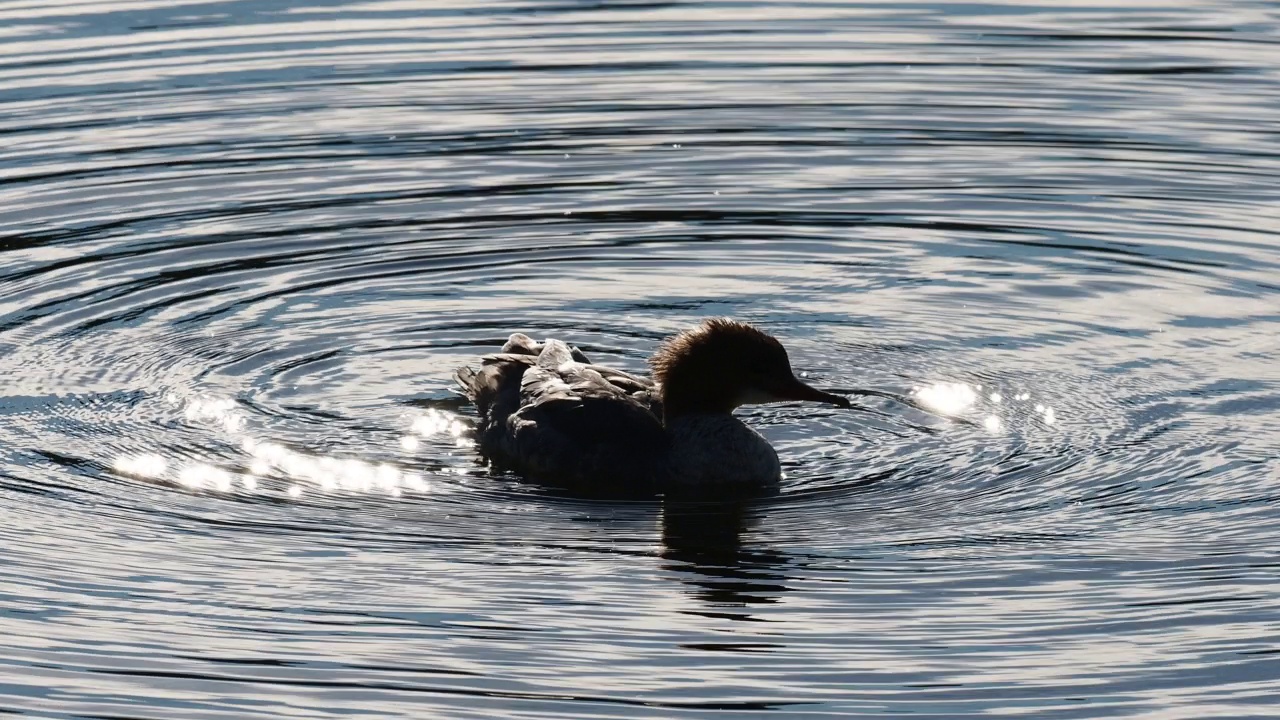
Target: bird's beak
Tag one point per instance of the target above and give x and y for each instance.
(794, 389)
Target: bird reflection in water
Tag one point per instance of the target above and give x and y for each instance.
(703, 540)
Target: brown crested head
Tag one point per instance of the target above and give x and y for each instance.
(721, 364)
(718, 342)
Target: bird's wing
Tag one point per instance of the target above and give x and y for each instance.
(573, 422)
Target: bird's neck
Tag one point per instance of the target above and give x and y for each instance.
(684, 396)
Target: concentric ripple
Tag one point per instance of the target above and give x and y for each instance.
(245, 243)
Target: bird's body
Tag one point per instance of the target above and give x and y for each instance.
(548, 413)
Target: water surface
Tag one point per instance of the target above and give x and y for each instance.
(244, 244)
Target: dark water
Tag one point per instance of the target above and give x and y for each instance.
(244, 244)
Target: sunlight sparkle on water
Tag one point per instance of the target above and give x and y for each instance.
(271, 467)
(435, 422)
(146, 465)
(416, 483)
(202, 476)
(330, 474)
(947, 398)
(956, 398)
(223, 411)
(269, 463)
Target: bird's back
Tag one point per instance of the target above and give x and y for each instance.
(548, 413)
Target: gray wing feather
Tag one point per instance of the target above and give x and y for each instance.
(578, 428)
(522, 344)
(547, 413)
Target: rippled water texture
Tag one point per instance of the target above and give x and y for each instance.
(244, 244)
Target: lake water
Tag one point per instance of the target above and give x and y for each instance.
(244, 244)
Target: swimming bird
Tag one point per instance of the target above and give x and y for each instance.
(548, 413)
